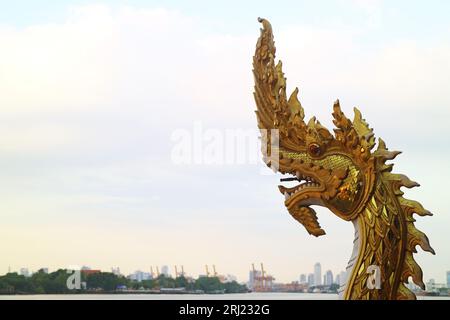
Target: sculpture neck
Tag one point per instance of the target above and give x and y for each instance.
(379, 246)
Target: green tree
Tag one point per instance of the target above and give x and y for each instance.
(181, 282)
(234, 287)
(15, 283)
(334, 287)
(208, 284)
(105, 281)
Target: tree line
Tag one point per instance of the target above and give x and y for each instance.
(56, 283)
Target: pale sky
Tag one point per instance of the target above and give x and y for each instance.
(90, 95)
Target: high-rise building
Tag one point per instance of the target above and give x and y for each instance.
(251, 278)
(165, 270)
(303, 278)
(115, 271)
(317, 274)
(342, 278)
(337, 280)
(328, 279)
(430, 285)
(140, 276)
(448, 279)
(311, 280)
(24, 272)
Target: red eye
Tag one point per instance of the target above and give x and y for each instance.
(314, 149)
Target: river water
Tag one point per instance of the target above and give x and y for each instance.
(243, 296)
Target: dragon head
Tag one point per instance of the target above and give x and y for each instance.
(335, 171)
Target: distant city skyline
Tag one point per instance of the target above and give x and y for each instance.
(337, 276)
(146, 272)
(328, 277)
(140, 275)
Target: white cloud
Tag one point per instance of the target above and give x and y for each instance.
(82, 63)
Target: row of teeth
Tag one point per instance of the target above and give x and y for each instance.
(309, 183)
(300, 188)
(302, 176)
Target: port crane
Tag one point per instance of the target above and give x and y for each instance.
(208, 273)
(179, 274)
(262, 282)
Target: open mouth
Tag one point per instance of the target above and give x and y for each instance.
(299, 198)
(306, 183)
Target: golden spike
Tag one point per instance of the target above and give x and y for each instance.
(295, 105)
(381, 144)
(412, 269)
(363, 130)
(384, 154)
(297, 114)
(345, 133)
(412, 206)
(401, 181)
(340, 120)
(417, 237)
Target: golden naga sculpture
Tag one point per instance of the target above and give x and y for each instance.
(342, 173)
